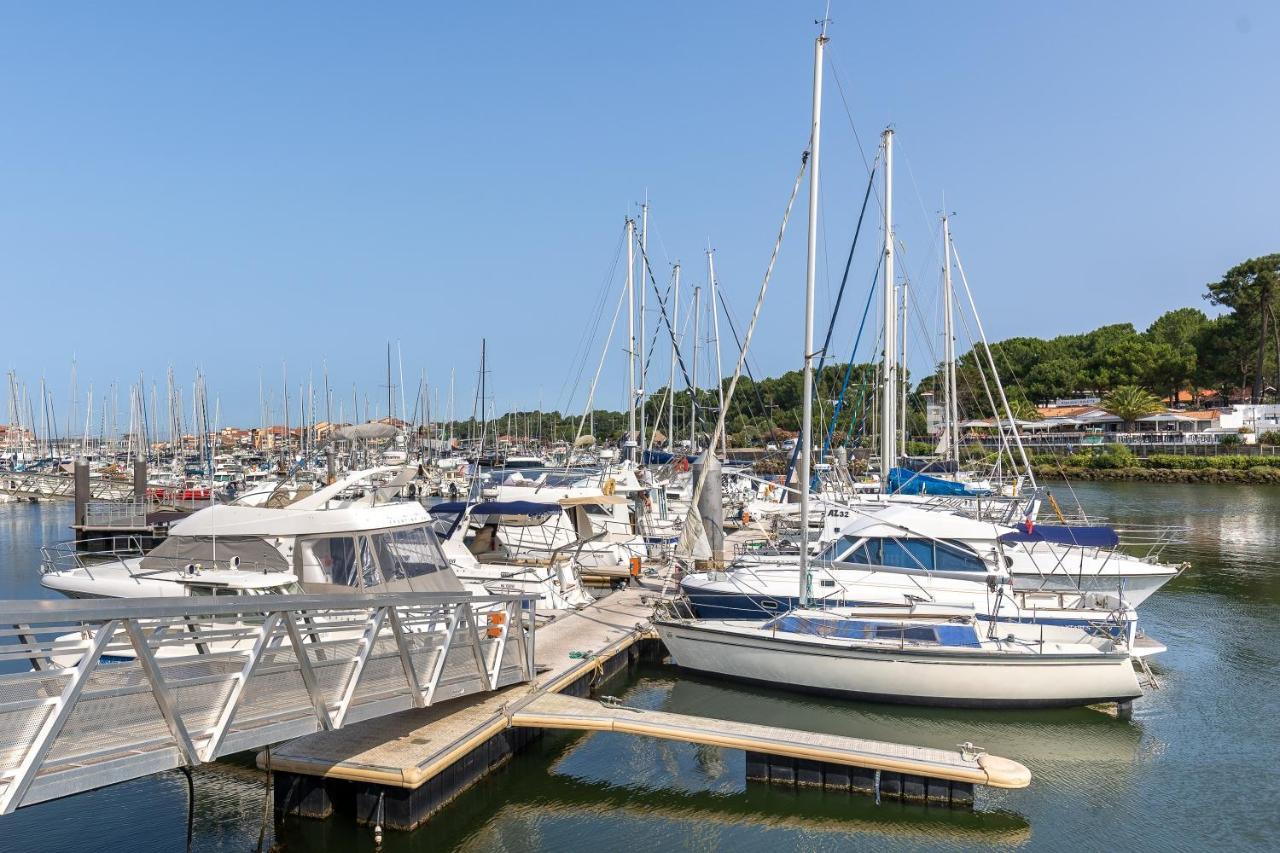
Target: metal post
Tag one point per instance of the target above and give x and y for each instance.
(81, 494)
(140, 479)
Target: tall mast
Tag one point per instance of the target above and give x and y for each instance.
(629, 444)
(284, 389)
(644, 367)
(671, 388)
(715, 327)
(693, 375)
(391, 408)
(888, 405)
(951, 419)
(810, 273)
(904, 291)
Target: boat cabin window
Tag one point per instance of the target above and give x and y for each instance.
(905, 553)
(365, 562)
(343, 560)
(201, 589)
(954, 557)
(409, 552)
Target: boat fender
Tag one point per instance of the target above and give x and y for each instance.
(496, 621)
(610, 486)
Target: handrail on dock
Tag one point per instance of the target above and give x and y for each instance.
(123, 688)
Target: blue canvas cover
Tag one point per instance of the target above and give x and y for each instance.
(1065, 534)
(532, 508)
(903, 481)
(940, 633)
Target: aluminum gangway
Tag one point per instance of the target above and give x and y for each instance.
(42, 485)
(114, 689)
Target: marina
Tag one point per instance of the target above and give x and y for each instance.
(785, 552)
(1135, 775)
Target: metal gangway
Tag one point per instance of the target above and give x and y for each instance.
(115, 689)
(42, 485)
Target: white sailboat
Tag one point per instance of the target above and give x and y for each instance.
(914, 653)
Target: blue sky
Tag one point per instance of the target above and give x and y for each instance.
(235, 186)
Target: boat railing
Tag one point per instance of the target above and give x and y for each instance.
(118, 513)
(89, 553)
(1151, 539)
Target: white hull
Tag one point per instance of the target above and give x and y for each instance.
(1134, 588)
(905, 675)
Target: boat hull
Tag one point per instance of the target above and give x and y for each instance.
(903, 676)
(1135, 589)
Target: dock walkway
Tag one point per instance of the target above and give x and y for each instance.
(407, 749)
(404, 767)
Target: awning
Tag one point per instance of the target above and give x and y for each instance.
(357, 432)
(1063, 534)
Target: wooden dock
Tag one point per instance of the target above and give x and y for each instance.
(398, 770)
(553, 711)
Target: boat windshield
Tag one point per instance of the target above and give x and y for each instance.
(905, 553)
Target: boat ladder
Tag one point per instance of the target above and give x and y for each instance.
(1148, 676)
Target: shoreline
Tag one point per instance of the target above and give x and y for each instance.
(1259, 475)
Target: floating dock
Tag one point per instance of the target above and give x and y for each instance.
(397, 771)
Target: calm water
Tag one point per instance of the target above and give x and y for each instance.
(1197, 767)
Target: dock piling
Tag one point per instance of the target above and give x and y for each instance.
(81, 491)
(140, 480)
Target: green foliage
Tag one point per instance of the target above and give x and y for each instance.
(1230, 439)
(1270, 439)
(1129, 402)
(1250, 289)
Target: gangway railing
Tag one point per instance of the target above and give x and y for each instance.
(122, 688)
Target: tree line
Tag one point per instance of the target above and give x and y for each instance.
(1183, 349)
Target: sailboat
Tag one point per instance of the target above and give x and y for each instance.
(918, 652)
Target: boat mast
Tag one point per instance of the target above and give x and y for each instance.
(671, 387)
(642, 262)
(715, 326)
(904, 291)
(630, 443)
(693, 376)
(811, 265)
(888, 405)
(951, 411)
